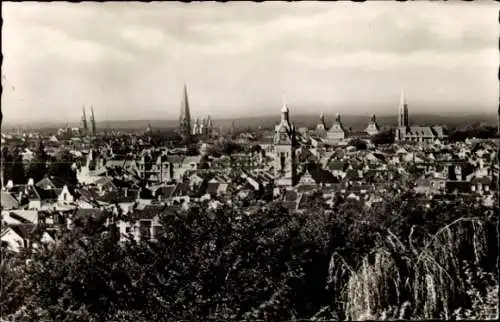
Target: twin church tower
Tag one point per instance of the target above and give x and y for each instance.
(92, 132)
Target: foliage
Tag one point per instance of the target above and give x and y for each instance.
(225, 147)
(61, 167)
(383, 137)
(475, 131)
(13, 165)
(358, 144)
(398, 259)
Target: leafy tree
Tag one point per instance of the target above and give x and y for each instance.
(61, 167)
(265, 262)
(383, 137)
(38, 166)
(358, 144)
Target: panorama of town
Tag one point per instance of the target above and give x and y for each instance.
(80, 172)
(59, 182)
(187, 187)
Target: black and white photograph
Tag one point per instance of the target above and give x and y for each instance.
(249, 161)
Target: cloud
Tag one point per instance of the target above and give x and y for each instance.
(132, 58)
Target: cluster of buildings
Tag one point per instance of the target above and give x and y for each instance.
(130, 189)
(84, 131)
(200, 127)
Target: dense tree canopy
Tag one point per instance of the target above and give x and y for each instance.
(475, 131)
(383, 137)
(268, 263)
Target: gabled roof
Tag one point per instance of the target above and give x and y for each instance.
(25, 231)
(8, 201)
(25, 216)
(50, 194)
(106, 183)
(52, 182)
(89, 212)
(481, 180)
(323, 176)
(88, 194)
(438, 131)
(423, 131)
(192, 159)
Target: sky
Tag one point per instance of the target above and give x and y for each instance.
(130, 60)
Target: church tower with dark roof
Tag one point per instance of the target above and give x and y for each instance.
(185, 117)
(285, 145)
(403, 123)
(93, 129)
(372, 127)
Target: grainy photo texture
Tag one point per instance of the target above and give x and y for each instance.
(271, 161)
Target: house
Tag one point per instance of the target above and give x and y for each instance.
(92, 170)
(105, 184)
(145, 224)
(65, 195)
(163, 192)
(32, 196)
(480, 184)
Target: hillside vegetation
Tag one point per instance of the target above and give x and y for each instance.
(401, 259)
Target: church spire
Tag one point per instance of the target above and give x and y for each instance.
(84, 121)
(185, 116)
(92, 121)
(403, 110)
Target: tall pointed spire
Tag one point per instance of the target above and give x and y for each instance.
(402, 110)
(92, 121)
(185, 116)
(84, 121)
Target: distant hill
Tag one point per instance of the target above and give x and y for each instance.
(356, 122)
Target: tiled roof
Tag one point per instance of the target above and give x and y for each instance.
(423, 131)
(165, 191)
(481, 180)
(192, 159)
(25, 216)
(149, 211)
(290, 196)
(25, 230)
(88, 211)
(337, 165)
(8, 201)
(51, 194)
(438, 130)
(323, 176)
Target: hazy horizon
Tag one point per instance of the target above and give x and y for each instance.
(130, 60)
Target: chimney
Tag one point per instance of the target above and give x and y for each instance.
(31, 182)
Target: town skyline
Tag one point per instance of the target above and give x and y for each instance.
(131, 64)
